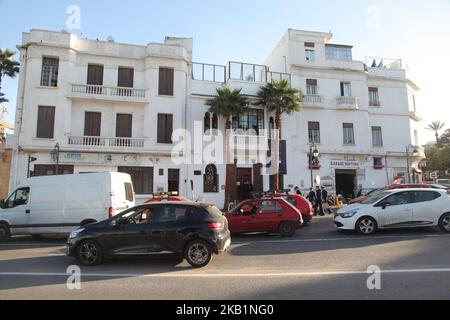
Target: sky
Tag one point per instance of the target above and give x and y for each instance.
(416, 31)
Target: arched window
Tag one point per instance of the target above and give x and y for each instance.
(210, 179)
(207, 123)
(215, 122)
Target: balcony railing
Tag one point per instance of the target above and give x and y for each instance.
(209, 72)
(312, 100)
(347, 102)
(94, 90)
(107, 142)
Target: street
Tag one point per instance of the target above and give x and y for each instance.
(319, 263)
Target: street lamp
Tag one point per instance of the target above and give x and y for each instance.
(313, 154)
(55, 156)
(415, 153)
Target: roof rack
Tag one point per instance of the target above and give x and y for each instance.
(258, 195)
(164, 194)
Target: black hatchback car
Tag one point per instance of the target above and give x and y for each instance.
(195, 231)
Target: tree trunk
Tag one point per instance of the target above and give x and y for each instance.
(230, 179)
(276, 156)
(437, 138)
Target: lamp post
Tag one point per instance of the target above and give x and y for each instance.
(415, 152)
(313, 154)
(55, 156)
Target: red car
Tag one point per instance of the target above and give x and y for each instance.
(166, 197)
(274, 215)
(302, 205)
(391, 187)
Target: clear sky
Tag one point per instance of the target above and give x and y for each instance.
(246, 30)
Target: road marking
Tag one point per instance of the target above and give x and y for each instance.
(224, 275)
(362, 238)
(32, 244)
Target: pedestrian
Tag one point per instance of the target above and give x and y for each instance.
(319, 202)
(355, 192)
(297, 191)
(311, 196)
(325, 200)
(359, 191)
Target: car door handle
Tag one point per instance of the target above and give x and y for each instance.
(27, 211)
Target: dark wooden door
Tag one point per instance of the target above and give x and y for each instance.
(92, 124)
(244, 183)
(174, 180)
(258, 184)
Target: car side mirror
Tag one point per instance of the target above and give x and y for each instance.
(2, 203)
(385, 206)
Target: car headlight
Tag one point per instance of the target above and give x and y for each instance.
(75, 233)
(349, 214)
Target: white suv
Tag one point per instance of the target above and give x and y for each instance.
(404, 208)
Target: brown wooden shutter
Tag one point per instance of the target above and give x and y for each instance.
(126, 77)
(124, 125)
(165, 128)
(95, 74)
(46, 122)
(309, 44)
(166, 81)
(92, 124)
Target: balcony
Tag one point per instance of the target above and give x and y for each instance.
(107, 143)
(415, 116)
(311, 100)
(87, 91)
(347, 103)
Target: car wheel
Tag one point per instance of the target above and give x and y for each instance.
(366, 226)
(5, 234)
(286, 229)
(198, 253)
(89, 253)
(444, 222)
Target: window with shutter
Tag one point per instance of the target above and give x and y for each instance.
(92, 124)
(349, 135)
(166, 81)
(165, 128)
(124, 125)
(49, 73)
(45, 122)
(314, 132)
(126, 77)
(95, 75)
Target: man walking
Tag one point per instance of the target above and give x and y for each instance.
(319, 201)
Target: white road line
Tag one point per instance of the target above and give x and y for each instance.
(224, 275)
(32, 244)
(362, 238)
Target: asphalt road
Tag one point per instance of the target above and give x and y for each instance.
(319, 263)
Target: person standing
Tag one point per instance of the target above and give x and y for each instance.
(297, 191)
(325, 198)
(319, 201)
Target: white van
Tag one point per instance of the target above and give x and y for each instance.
(60, 204)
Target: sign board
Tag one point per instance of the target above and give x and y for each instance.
(344, 164)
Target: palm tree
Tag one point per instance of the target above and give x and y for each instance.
(8, 66)
(228, 103)
(436, 126)
(281, 98)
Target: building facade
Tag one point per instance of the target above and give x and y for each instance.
(90, 105)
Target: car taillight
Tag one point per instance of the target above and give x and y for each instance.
(111, 212)
(216, 226)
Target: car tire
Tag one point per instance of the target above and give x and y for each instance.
(286, 229)
(366, 226)
(5, 234)
(198, 253)
(89, 253)
(444, 222)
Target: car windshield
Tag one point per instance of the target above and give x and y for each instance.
(375, 192)
(374, 198)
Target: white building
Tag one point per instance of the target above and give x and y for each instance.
(113, 107)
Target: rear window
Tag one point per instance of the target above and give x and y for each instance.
(270, 206)
(214, 211)
(426, 196)
(129, 193)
